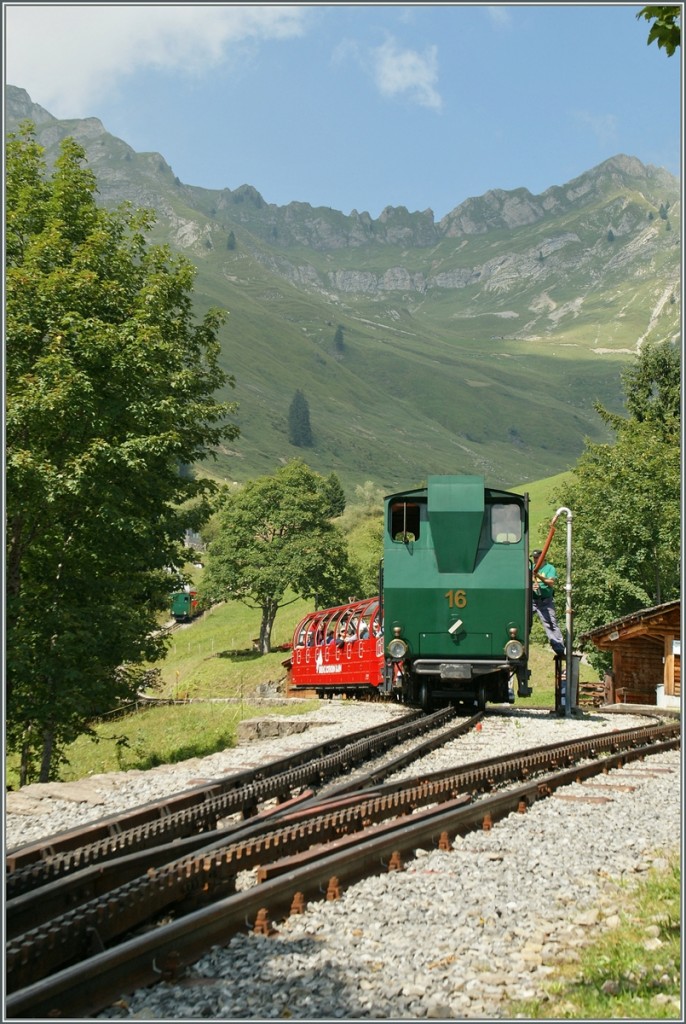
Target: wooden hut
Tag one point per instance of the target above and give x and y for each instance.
(646, 656)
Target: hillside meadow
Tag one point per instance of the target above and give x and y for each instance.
(217, 679)
(214, 659)
(480, 343)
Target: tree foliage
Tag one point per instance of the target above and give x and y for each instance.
(110, 388)
(299, 428)
(336, 495)
(368, 552)
(275, 535)
(370, 497)
(665, 29)
(652, 386)
(625, 500)
(338, 340)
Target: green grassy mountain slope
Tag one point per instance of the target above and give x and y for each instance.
(475, 344)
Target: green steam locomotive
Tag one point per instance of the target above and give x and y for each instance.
(451, 622)
(456, 593)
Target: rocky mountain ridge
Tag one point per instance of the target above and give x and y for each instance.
(447, 324)
(299, 223)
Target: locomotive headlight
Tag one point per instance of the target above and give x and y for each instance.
(397, 649)
(514, 650)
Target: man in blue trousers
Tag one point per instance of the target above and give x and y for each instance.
(544, 582)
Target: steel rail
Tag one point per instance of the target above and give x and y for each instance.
(86, 988)
(200, 808)
(211, 872)
(103, 827)
(311, 817)
(31, 906)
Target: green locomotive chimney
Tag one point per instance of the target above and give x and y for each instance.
(456, 533)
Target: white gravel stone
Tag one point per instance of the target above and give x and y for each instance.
(458, 933)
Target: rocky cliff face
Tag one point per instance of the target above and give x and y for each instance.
(445, 323)
(606, 222)
(124, 174)
(610, 220)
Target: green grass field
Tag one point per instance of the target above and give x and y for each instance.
(214, 658)
(213, 670)
(622, 976)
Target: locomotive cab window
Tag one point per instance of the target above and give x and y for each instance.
(404, 523)
(506, 523)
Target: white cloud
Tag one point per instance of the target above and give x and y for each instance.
(603, 126)
(500, 16)
(408, 72)
(68, 56)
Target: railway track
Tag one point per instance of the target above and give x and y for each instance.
(239, 795)
(76, 941)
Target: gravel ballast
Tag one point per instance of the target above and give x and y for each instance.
(457, 934)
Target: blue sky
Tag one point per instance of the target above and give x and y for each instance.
(358, 106)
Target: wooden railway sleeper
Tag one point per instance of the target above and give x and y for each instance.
(58, 993)
(114, 905)
(217, 801)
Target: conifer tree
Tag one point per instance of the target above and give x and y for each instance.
(336, 495)
(338, 341)
(299, 428)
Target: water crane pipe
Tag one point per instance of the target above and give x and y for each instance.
(569, 637)
(544, 551)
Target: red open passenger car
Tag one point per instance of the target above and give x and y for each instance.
(339, 650)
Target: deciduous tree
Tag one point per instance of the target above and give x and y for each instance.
(625, 501)
(665, 28)
(110, 388)
(276, 534)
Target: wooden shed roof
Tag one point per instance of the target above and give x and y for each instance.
(660, 621)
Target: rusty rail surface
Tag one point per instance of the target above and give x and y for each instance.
(199, 808)
(358, 834)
